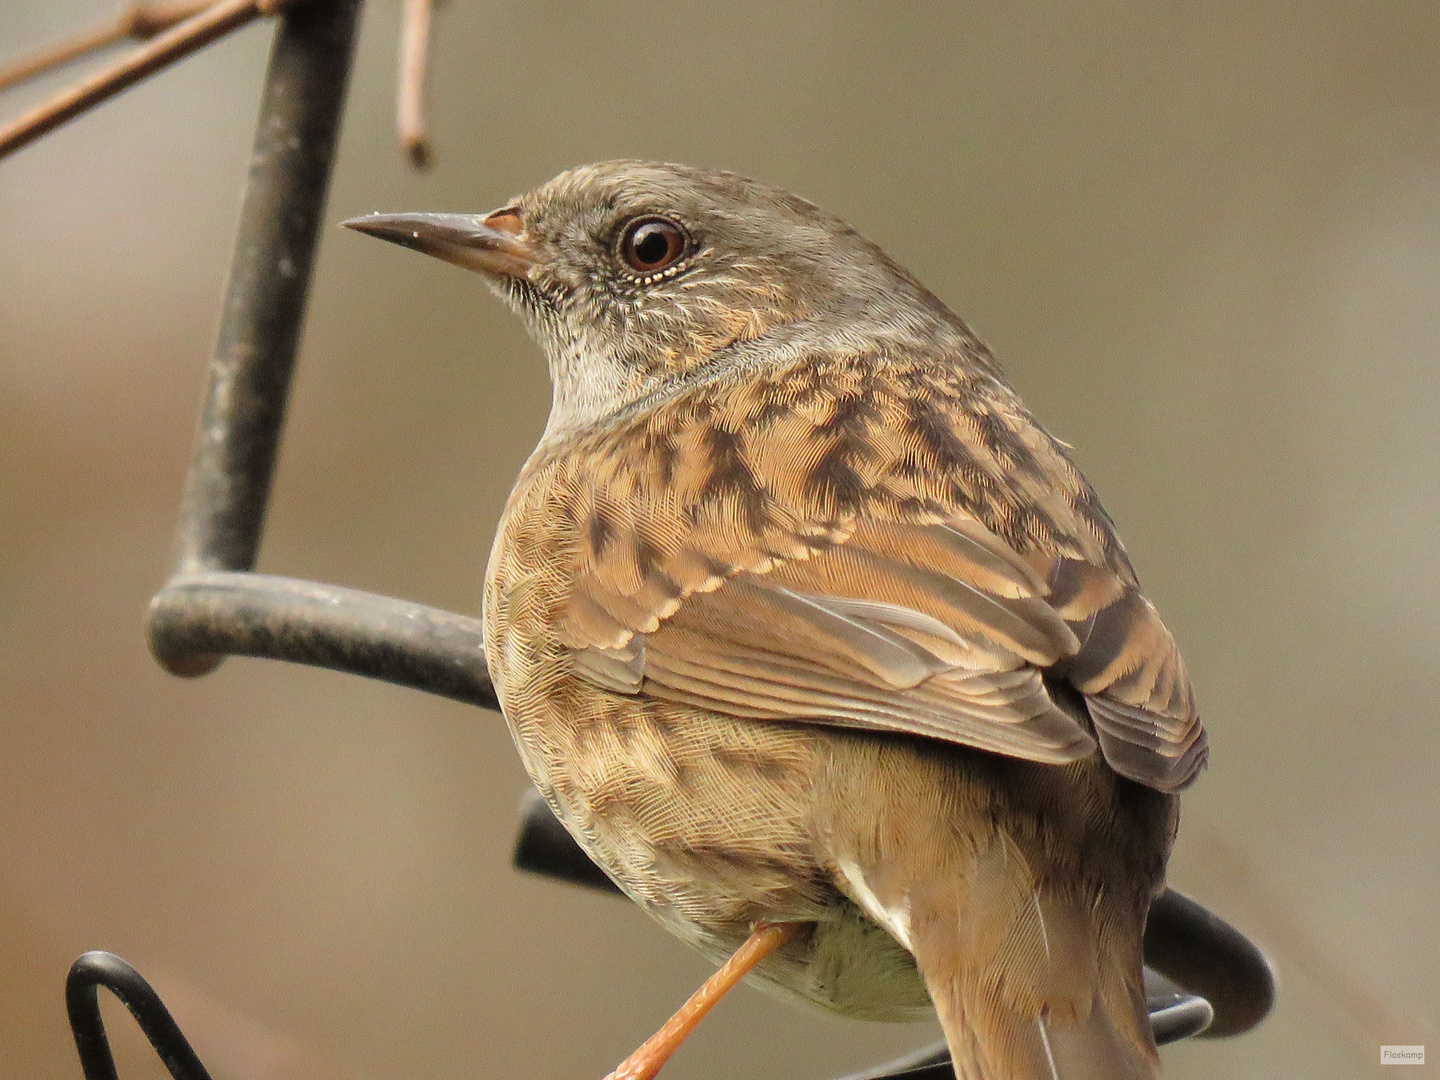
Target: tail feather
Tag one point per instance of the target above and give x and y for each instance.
(991, 1041)
(1094, 1050)
(1020, 889)
(1031, 983)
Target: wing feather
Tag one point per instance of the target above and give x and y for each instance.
(869, 542)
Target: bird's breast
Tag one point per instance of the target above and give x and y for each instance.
(702, 817)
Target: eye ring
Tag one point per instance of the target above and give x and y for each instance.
(652, 244)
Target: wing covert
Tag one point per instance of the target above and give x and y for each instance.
(892, 546)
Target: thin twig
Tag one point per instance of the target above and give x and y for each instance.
(414, 48)
(140, 22)
(179, 41)
(63, 52)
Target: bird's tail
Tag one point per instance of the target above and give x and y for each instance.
(1031, 983)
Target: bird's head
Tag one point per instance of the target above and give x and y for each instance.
(633, 275)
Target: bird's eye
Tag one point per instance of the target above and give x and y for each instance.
(651, 244)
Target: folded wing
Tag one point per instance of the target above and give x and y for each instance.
(728, 584)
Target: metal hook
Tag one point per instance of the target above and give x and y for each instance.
(82, 1001)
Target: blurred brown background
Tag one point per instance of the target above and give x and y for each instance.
(1205, 240)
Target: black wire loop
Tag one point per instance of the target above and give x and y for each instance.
(82, 1001)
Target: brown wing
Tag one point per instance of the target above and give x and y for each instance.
(872, 543)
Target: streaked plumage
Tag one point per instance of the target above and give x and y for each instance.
(797, 615)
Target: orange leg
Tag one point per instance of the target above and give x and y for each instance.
(644, 1063)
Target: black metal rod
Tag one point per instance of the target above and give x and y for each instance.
(82, 1001)
(245, 614)
(1175, 1013)
(1205, 954)
(928, 1063)
(223, 510)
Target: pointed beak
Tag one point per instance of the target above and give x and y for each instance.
(493, 245)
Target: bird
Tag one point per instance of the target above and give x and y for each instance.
(811, 635)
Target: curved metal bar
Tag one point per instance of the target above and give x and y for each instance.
(928, 1063)
(223, 510)
(228, 613)
(82, 1001)
(1205, 954)
(1175, 1013)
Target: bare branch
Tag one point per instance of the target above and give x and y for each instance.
(212, 22)
(414, 49)
(140, 21)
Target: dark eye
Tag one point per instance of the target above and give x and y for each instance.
(651, 244)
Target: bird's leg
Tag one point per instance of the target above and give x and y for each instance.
(645, 1062)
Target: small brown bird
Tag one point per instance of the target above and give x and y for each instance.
(814, 639)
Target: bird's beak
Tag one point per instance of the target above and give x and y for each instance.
(495, 245)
